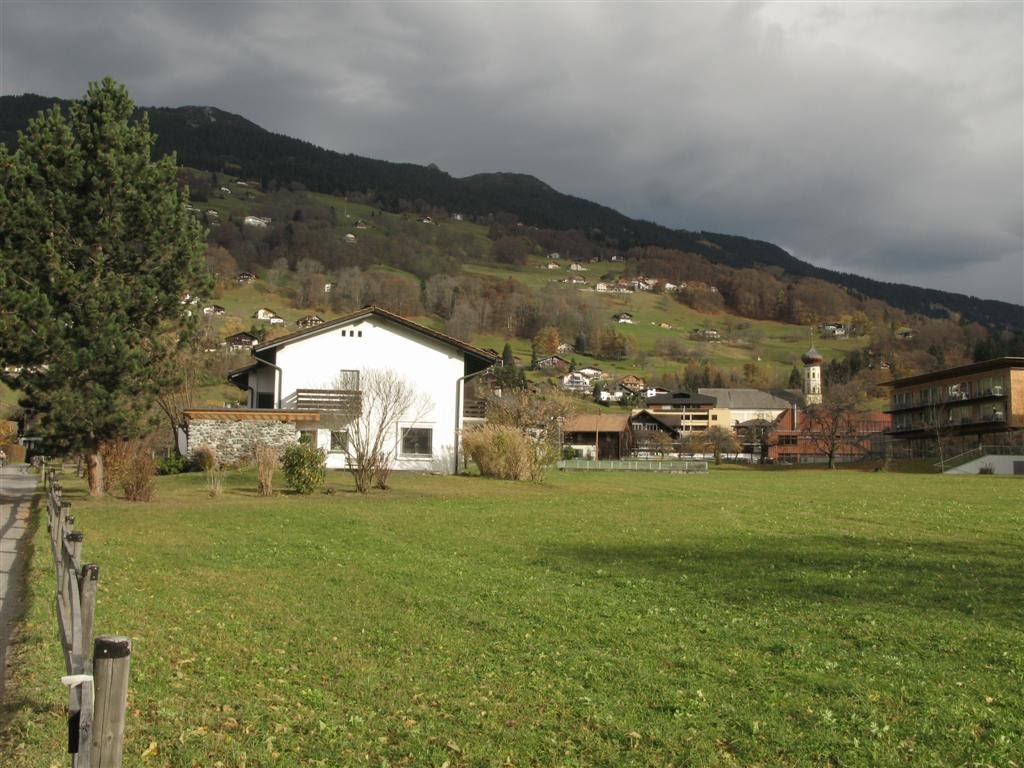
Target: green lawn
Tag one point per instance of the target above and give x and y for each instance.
(739, 618)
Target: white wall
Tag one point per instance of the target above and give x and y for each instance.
(432, 367)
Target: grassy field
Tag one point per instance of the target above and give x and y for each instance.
(739, 618)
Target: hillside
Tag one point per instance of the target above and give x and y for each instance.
(213, 140)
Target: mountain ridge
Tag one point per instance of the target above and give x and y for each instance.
(212, 139)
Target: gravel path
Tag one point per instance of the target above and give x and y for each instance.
(17, 487)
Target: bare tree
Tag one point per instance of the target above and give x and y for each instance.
(386, 399)
(717, 440)
(833, 423)
(174, 400)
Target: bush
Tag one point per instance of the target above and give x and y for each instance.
(507, 453)
(138, 478)
(173, 465)
(205, 458)
(129, 466)
(305, 467)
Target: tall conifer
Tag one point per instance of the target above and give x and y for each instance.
(96, 252)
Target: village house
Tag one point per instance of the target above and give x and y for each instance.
(257, 221)
(213, 309)
(240, 341)
(577, 267)
(311, 382)
(553, 363)
(598, 435)
(245, 277)
(263, 313)
(309, 321)
(623, 317)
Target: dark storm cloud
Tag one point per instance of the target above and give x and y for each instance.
(880, 139)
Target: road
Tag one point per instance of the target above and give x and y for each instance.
(16, 489)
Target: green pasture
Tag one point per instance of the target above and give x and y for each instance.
(742, 618)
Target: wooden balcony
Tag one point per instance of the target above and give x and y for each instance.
(332, 400)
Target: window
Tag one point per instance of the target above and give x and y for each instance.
(417, 441)
(787, 439)
(348, 381)
(307, 437)
(339, 441)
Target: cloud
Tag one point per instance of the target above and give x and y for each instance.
(884, 139)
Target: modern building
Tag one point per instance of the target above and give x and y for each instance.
(967, 406)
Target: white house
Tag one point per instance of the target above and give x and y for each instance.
(577, 382)
(321, 368)
(264, 314)
(256, 221)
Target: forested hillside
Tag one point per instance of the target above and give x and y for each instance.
(216, 141)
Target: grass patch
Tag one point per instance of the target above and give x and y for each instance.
(742, 617)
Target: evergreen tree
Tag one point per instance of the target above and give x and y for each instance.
(581, 343)
(507, 358)
(96, 252)
(796, 379)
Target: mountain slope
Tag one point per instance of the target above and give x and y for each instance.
(210, 139)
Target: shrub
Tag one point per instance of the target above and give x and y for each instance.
(305, 467)
(173, 465)
(205, 458)
(138, 478)
(507, 453)
(266, 463)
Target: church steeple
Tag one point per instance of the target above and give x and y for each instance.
(812, 375)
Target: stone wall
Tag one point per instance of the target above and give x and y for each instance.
(233, 440)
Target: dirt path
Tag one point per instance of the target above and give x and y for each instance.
(17, 487)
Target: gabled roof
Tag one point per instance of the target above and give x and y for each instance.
(383, 314)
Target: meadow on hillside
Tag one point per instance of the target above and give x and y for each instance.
(740, 618)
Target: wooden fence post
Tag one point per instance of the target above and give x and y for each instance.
(110, 662)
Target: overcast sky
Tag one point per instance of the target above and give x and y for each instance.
(882, 139)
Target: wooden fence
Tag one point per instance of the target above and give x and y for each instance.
(97, 685)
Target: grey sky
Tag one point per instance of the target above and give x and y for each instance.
(883, 139)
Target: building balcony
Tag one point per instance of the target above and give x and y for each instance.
(332, 400)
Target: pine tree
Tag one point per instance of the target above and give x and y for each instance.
(796, 379)
(507, 358)
(96, 252)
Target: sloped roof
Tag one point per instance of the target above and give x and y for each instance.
(372, 311)
(752, 399)
(597, 422)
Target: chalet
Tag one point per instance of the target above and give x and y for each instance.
(653, 431)
(601, 287)
(615, 395)
(833, 329)
(361, 224)
(213, 309)
(552, 265)
(554, 255)
(576, 381)
(578, 280)
(328, 287)
(566, 349)
(426, 220)
(577, 267)
(623, 317)
(553, 363)
(666, 326)
(275, 320)
(240, 341)
(257, 221)
(309, 321)
(705, 334)
(312, 381)
(245, 277)
(264, 314)
(349, 238)
(598, 436)
(591, 372)
(633, 384)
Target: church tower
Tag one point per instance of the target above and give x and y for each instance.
(812, 376)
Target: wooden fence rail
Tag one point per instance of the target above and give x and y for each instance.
(97, 683)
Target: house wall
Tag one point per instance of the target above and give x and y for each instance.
(370, 344)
